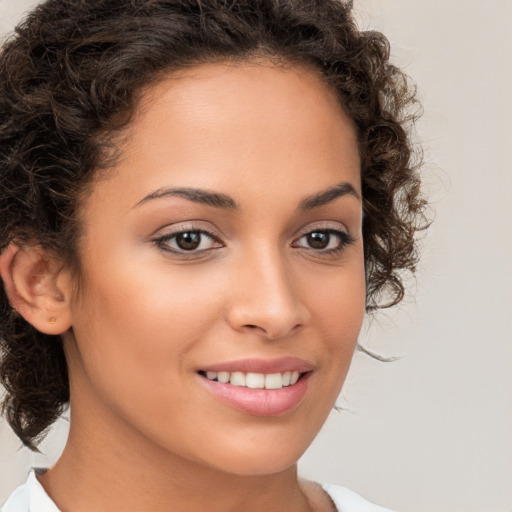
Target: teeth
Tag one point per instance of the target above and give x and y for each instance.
(222, 377)
(237, 379)
(255, 380)
(273, 381)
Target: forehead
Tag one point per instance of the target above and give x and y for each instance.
(236, 79)
(228, 125)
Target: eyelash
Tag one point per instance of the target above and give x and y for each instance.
(163, 241)
(345, 239)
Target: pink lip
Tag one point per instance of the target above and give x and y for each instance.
(260, 402)
(279, 365)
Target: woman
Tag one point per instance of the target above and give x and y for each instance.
(199, 201)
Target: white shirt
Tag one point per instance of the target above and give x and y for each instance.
(31, 497)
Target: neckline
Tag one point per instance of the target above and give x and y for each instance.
(38, 497)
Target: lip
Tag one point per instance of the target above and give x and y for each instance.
(260, 402)
(257, 365)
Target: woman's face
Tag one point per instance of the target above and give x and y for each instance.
(225, 244)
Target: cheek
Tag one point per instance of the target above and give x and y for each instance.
(134, 328)
(339, 311)
(340, 305)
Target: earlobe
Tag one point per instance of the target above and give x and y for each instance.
(38, 287)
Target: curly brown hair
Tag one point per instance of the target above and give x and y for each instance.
(69, 80)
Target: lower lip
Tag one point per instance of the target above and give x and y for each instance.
(260, 402)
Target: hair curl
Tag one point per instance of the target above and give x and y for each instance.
(69, 79)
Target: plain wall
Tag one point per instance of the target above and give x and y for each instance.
(433, 430)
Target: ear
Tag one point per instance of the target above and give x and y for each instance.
(38, 287)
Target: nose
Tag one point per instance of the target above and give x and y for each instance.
(266, 298)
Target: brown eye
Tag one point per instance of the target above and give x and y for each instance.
(189, 240)
(325, 241)
(318, 239)
(194, 241)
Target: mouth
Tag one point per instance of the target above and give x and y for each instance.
(259, 387)
(253, 380)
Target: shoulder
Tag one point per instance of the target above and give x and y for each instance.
(29, 497)
(349, 501)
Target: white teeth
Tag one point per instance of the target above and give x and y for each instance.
(273, 381)
(237, 379)
(256, 380)
(222, 377)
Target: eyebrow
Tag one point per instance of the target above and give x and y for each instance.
(195, 195)
(328, 196)
(219, 200)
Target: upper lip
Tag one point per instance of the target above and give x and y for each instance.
(257, 365)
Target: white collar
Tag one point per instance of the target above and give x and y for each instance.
(30, 497)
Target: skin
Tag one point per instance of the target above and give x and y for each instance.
(145, 432)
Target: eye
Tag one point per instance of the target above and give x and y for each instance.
(327, 240)
(188, 241)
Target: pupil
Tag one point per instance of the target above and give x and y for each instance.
(189, 240)
(318, 239)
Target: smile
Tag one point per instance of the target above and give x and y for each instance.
(254, 380)
(257, 393)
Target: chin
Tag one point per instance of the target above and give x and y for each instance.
(259, 467)
(263, 458)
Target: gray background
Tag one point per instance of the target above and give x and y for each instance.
(432, 431)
